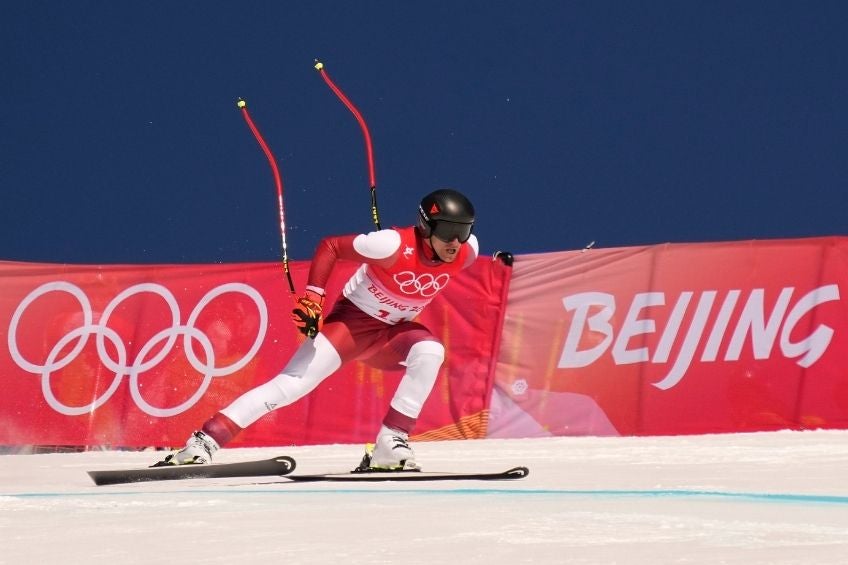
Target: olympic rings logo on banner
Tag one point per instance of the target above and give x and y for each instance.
(425, 284)
(141, 363)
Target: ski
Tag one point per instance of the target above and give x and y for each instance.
(374, 476)
(277, 466)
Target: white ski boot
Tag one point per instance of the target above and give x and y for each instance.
(390, 453)
(198, 450)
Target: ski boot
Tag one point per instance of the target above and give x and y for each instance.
(198, 450)
(391, 453)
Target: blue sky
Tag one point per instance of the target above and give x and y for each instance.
(624, 123)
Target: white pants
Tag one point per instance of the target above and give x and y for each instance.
(315, 360)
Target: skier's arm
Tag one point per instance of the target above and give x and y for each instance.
(379, 248)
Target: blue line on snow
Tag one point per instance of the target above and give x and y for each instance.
(742, 496)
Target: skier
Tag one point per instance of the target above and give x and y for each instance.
(402, 270)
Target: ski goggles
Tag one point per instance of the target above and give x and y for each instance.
(449, 231)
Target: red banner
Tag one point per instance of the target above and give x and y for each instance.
(676, 339)
(669, 339)
(142, 355)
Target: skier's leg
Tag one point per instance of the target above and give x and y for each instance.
(313, 361)
(422, 363)
(423, 356)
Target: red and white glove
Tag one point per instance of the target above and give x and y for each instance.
(307, 313)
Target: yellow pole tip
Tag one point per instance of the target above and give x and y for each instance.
(241, 104)
(319, 65)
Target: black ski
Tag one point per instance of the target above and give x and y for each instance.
(374, 476)
(282, 465)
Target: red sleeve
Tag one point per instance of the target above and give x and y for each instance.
(331, 249)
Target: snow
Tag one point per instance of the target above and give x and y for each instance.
(776, 498)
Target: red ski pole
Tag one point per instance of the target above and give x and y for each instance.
(278, 181)
(369, 149)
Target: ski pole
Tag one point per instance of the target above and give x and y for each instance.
(369, 149)
(278, 181)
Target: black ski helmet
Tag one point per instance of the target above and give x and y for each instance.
(446, 214)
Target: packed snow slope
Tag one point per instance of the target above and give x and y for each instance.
(767, 498)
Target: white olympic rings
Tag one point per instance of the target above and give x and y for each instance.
(140, 364)
(425, 284)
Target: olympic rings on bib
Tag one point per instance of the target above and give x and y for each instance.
(425, 284)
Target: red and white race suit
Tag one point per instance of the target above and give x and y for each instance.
(372, 322)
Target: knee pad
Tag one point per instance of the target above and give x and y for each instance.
(424, 349)
(422, 368)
